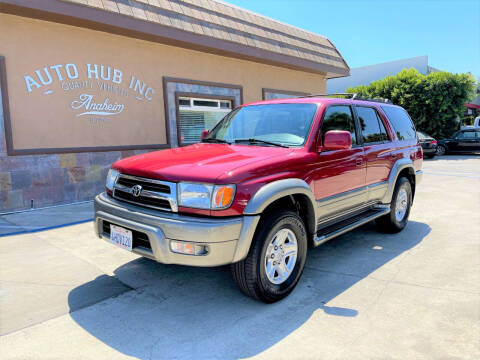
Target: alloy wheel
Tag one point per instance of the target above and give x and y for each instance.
(281, 256)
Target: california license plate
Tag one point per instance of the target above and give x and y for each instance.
(121, 237)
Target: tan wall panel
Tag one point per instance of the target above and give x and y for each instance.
(47, 120)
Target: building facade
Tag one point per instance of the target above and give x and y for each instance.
(87, 82)
(366, 74)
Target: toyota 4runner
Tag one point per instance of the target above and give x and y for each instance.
(269, 181)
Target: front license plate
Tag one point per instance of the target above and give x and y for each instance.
(121, 237)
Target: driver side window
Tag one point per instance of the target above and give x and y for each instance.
(339, 117)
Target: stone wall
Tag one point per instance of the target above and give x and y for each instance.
(51, 179)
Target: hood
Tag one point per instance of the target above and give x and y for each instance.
(199, 162)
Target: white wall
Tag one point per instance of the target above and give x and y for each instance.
(366, 74)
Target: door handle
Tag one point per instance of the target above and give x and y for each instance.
(393, 156)
(359, 162)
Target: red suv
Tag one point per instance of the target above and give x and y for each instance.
(270, 180)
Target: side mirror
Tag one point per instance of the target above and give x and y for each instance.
(336, 140)
(204, 134)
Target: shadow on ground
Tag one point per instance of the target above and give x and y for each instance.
(183, 312)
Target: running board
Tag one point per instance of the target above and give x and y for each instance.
(330, 232)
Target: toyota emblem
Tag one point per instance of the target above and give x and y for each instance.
(136, 190)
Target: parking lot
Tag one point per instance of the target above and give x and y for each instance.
(64, 294)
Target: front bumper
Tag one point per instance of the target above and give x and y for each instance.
(227, 239)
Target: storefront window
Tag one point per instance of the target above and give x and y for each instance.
(197, 114)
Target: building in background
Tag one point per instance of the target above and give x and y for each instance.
(472, 109)
(85, 83)
(366, 74)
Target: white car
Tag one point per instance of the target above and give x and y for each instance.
(476, 124)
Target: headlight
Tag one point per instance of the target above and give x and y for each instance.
(111, 178)
(205, 196)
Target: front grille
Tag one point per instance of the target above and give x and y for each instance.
(139, 239)
(142, 200)
(129, 182)
(150, 193)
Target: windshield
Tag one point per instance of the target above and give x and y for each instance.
(423, 136)
(266, 125)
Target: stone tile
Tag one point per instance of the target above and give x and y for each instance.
(84, 159)
(128, 153)
(95, 173)
(21, 179)
(15, 200)
(5, 181)
(76, 174)
(67, 160)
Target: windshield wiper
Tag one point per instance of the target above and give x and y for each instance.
(213, 140)
(259, 141)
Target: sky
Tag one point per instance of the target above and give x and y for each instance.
(368, 32)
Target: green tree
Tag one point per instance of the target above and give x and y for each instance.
(435, 101)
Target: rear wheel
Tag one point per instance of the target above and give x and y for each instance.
(441, 150)
(400, 207)
(276, 258)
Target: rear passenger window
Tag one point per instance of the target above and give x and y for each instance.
(339, 117)
(371, 125)
(466, 135)
(401, 122)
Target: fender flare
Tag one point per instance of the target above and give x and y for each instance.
(275, 190)
(399, 165)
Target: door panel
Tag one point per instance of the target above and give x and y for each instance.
(379, 150)
(339, 179)
(466, 141)
(477, 141)
(380, 159)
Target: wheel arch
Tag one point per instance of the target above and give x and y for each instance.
(403, 167)
(288, 192)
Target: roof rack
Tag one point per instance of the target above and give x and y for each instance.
(353, 96)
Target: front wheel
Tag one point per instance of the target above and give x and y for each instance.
(441, 150)
(400, 207)
(276, 258)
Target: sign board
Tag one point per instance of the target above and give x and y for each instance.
(61, 102)
(78, 106)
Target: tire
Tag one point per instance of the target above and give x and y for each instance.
(441, 150)
(397, 219)
(251, 274)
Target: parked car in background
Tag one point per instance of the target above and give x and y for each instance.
(463, 141)
(428, 143)
(476, 124)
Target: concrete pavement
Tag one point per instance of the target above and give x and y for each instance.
(66, 294)
(46, 218)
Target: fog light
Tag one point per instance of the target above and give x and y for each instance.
(188, 248)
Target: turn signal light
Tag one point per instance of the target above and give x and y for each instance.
(182, 247)
(223, 196)
(433, 142)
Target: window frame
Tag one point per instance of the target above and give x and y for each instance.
(379, 118)
(307, 135)
(355, 124)
(199, 96)
(464, 132)
(391, 123)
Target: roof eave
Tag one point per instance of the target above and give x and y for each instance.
(93, 18)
